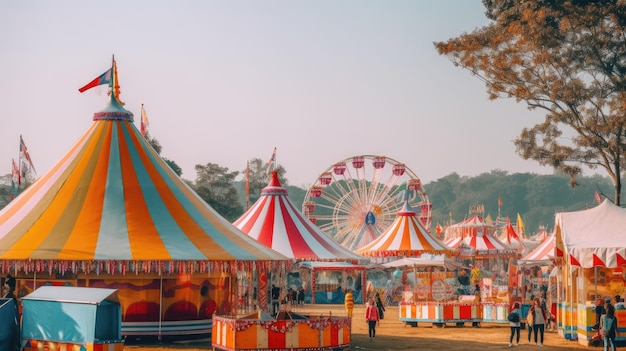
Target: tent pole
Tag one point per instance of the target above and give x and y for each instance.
(160, 305)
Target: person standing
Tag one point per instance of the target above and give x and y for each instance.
(10, 283)
(539, 321)
(348, 301)
(608, 326)
(380, 306)
(514, 323)
(372, 318)
(275, 300)
(530, 320)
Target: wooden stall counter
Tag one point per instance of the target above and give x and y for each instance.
(440, 313)
(289, 331)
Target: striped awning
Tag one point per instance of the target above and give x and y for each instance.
(111, 197)
(542, 254)
(405, 237)
(481, 245)
(275, 222)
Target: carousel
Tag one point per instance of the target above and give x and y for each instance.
(424, 277)
(112, 214)
(592, 269)
(491, 262)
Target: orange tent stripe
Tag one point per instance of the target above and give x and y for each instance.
(82, 241)
(144, 239)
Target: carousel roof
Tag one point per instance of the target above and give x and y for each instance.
(405, 237)
(275, 222)
(111, 197)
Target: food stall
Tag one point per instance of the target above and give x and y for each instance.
(592, 269)
(329, 280)
(64, 317)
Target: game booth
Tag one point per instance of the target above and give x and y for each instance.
(423, 274)
(592, 270)
(70, 318)
(537, 277)
(491, 260)
(435, 293)
(329, 281)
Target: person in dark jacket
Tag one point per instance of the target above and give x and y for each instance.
(380, 306)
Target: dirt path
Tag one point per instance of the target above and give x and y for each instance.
(394, 335)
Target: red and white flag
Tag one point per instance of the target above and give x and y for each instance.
(598, 199)
(25, 162)
(272, 162)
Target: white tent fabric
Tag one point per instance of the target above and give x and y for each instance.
(542, 255)
(593, 237)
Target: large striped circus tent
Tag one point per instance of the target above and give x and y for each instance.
(112, 214)
(274, 221)
(405, 237)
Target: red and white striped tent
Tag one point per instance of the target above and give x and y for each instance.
(405, 237)
(474, 237)
(275, 222)
(542, 255)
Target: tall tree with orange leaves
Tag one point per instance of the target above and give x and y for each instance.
(567, 58)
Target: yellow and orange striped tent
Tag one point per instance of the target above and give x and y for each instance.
(110, 200)
(405, 237)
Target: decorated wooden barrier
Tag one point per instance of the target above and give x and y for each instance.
(495, 312)
(289, 332)
(439, 312)
(38, 345)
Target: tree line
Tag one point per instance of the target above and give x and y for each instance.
(536, 198)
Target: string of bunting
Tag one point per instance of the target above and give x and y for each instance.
(123, 267)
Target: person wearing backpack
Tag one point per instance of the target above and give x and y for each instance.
(514, 323)
(608, 327)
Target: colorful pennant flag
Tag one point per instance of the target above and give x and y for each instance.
(520, 225)
(144, 122)
(104, 78)
(598, 199)
(247, 185)
(16, 179)
(25, 162)
(500, 203)
(272, 162)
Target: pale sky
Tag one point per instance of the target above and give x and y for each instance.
(227, 81)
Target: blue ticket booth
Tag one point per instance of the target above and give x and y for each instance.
(54, 317)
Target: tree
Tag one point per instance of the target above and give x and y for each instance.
(156, 145)
(214, 184)
(567, 58)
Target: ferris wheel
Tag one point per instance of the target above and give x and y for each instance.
(356, 200)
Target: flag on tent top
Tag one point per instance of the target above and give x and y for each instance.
(272, 162)
(598, 199)
(16, 180)
(144, 122)
(104, 78)
(26, 165)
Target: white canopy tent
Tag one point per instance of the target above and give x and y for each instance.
(593, 237)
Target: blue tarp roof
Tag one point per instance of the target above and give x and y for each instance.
(72, 294)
